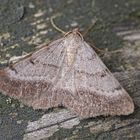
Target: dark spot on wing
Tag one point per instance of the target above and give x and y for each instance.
(51, 65)
(118, 88)
(31, 61)
(93, 56)
(103, 74)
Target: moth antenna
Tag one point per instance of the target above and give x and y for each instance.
(63, 32)
(90, 27)
(99, 50)
(77, 31)
(87, 30)
(54, 25)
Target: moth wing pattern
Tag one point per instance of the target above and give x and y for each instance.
(29, 79)
(97, 90)
(67, 72)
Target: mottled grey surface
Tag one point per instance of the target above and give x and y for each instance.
(25, 24)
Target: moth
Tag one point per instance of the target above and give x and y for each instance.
(68, 73)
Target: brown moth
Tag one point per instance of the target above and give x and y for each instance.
(66, 73)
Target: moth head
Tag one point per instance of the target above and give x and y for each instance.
(74, 34)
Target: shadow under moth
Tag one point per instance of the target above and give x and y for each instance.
(68, 73)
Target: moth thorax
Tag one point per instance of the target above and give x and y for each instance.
(70, 54)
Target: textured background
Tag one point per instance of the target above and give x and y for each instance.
(25, 24)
